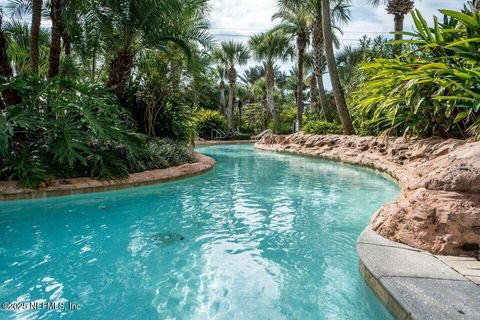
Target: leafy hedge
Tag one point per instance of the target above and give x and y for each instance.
(322, 127)
(207, 120)
(66, 129)
(282, 128)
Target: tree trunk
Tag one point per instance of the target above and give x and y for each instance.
(222, 97)
(301, 44)
(398, 21)
(93, 68)
(240, 107)
(270, 77)
(35, 34)
(10, 96)
(313, 94)
(55, 46)
(319, 65)
(232, 80)
(67, 44)
(332, 69)
(119, 73)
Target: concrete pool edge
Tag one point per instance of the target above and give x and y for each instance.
(209, 143)
(414, 284)
(66, 187)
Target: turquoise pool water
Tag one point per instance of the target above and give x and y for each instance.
(263, 236)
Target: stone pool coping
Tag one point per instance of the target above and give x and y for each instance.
(222, 142)
(415, 284)
(66, 187)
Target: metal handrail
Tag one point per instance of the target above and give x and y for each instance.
(264, 133)
(217, 134)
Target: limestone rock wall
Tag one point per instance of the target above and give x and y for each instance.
(438, 209)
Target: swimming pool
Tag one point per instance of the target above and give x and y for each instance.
(263, 236)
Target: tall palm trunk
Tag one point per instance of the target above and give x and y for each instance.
(67, 44)
(222, 97)
(319, 65)
(10, 96)
(332, 69)
(240, 107)
(35, 34)
(398, 21)
(313, 94)
(399, 9)
(232, 80)
(119, 72)
(55, 46)
(301, 44)
(398, 25)
(270, 78)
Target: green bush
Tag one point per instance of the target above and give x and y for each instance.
(431, 90)
(207, 120)
(322, 127)
(240, 136)
(176, 122)
(247, 129)
(282, 128)
(66, 129)
(288, 116)
(162, 153)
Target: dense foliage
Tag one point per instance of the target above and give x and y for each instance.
(208, 120)
(434, 87)
(77, 98)
(66, 129)
(322, 127)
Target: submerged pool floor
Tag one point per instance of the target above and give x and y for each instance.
(263, 236)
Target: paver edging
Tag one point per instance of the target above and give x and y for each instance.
(66, 187)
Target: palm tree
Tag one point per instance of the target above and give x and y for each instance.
(340, 101)
(18, 51)
(35, 35)
(295, 21)
(340, 13)
(222, 75)
(311, 81)
(55, 46)
(270, 47)
(399, 9)
(152, 23)
(10, 96)
(232, 54)
(34, 7)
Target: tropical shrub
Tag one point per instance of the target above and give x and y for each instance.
(282, 128)
(322, 127)
(288, 116)
(434, 88)
(162, 153)
(207, 120)
(176, 122)
(239, 136)
(66, 129)
(248, 129)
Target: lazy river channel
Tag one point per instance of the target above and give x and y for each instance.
(262, 236)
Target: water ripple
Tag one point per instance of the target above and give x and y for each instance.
(262, 236)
